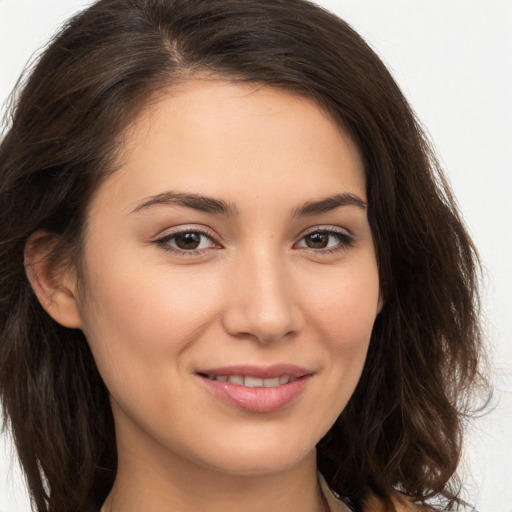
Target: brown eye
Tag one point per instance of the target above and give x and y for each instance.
(326, 241)
(188, 241)
(317, 240)
(183, 242)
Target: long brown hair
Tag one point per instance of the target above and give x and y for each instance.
(402, 427)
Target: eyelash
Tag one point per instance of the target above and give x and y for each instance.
(345, 241)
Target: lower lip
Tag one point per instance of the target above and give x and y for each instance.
(259, 399)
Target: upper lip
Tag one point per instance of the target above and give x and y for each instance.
(261, 372)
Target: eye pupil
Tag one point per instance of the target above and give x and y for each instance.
(317, 240)
(188, 240)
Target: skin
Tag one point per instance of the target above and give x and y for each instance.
(254, 292)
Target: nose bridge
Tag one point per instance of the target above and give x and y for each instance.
(262, 304)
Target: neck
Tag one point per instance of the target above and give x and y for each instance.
(184, 486)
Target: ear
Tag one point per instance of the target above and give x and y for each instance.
(54, 286)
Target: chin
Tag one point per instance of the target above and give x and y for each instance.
(258, 460)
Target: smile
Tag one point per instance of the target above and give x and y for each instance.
(257, 389)
(253, 382)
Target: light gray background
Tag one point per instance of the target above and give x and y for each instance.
(453, 60)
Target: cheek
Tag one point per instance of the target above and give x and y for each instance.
(346, 305)
(138, 330)
(143, 316)
(343, 316)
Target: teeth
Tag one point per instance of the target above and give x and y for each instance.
(253, 382)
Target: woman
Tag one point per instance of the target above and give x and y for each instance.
(232, 273)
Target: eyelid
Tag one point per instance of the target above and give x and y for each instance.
(326, 228)
(184, 228)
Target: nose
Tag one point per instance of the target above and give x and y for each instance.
(261, 303)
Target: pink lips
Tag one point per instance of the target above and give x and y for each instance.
(268, 398)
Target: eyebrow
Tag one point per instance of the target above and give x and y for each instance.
(218, 206)
(194, 201)
(328, 204)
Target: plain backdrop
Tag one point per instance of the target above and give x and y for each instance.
(453, 60)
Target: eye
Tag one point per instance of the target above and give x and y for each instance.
(327, 240)
(190, 241)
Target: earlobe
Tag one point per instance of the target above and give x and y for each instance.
(54, 287)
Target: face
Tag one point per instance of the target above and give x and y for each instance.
(231, 280)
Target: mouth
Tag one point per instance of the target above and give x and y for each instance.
(252, 382)
(257, 389)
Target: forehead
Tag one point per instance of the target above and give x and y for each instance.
(220, 138)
